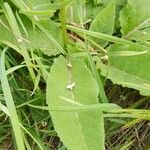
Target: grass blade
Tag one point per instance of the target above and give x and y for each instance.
(35, 137)
(10, 105)
(18, 35)
(105, 37)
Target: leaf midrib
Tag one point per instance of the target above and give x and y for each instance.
(76, 113)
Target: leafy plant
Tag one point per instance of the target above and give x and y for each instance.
(58, 59)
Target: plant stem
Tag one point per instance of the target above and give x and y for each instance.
(62, 17)
(91, 61)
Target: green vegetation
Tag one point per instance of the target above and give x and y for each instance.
(75, 74)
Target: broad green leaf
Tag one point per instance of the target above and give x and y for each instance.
(49, 28)
(132, 71)
(39, 9)
(118, 76)
(130, 60)
(141, 35)
(137, 65)
(5, 28)
(36, 38)
(39, 40)
(104, 22)
(135, 16)
(75, 83)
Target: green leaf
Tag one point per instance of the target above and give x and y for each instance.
(39, 9)
(36, 39)
(45, 27)
(129, 70)
(5, 28)
(129, 65)
(135, 16)
(120, 77)
(39, 40)
(77, 84)
(141, 35)
(104, 22)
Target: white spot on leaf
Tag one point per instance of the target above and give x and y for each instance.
(144, 33)
(104, 57)
(19, 40)
(70, 86)
(69, 65)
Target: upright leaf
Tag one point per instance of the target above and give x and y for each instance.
(79, 130)
(104, 22)
(129, 65)
(135, 16)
